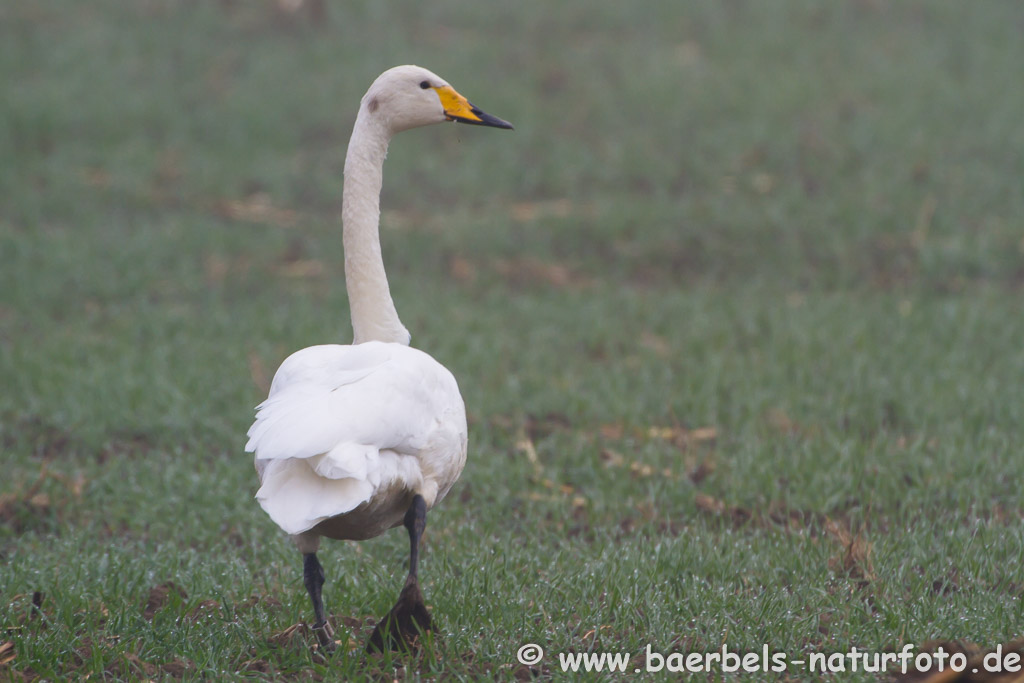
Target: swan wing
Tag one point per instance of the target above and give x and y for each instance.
(297, 420)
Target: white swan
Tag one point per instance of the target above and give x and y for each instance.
(354, 440)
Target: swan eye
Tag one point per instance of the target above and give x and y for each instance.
(424, 84)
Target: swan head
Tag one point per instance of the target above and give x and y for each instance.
(410, 96)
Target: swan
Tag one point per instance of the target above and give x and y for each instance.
(356, 439)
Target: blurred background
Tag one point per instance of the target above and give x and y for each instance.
(188, 151)
(742, 268)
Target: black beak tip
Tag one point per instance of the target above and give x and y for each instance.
(504, 125)
(485, 120)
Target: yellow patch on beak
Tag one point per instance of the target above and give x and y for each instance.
(458, 108)
(455, 105)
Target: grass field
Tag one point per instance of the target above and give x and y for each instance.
(736, 311)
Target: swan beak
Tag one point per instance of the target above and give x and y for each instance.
(458, 108)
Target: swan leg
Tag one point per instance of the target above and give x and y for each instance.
(409, 618)
(313, 573)
(415, 523)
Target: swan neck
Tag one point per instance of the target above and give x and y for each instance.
(374, 317)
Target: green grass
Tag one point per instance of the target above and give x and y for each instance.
(795, 227)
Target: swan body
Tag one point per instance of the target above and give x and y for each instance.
(350, 433)
(356, 439)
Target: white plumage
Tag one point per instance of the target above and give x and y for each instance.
(363, 425)
(354, 440)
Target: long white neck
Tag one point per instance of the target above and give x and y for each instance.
(373, 312)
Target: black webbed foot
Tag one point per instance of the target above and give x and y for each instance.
(325, 636)
(405, 624)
